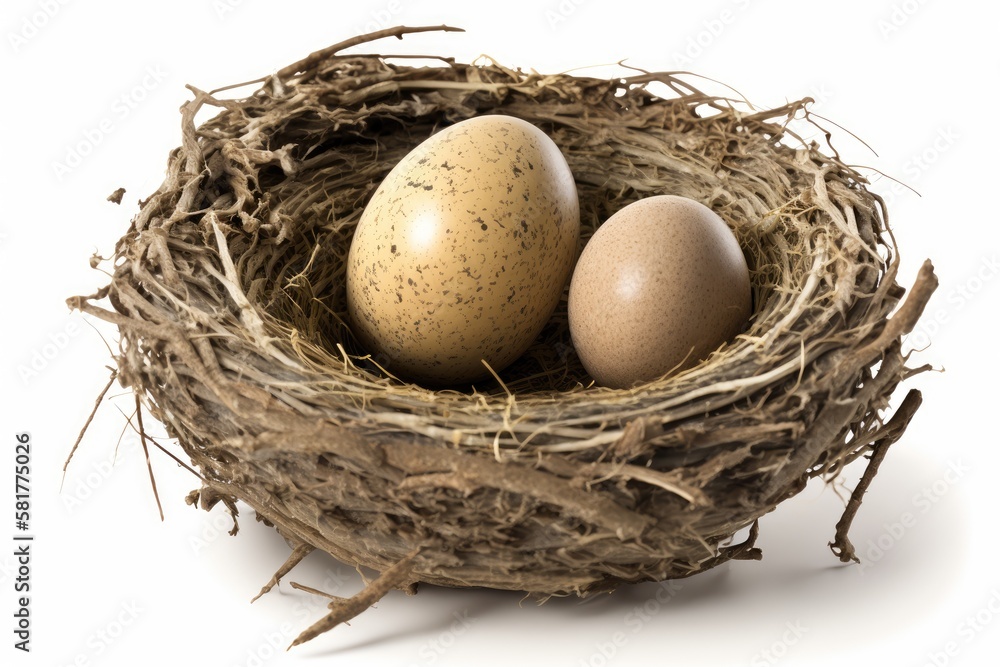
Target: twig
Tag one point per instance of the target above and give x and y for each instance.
(315, 591)
(841, 545)
(294, 559)
(149, 466)
(904, 319)
(317, 57)
(86, 425)
(745, 550)
(344, 609)
(163, 449)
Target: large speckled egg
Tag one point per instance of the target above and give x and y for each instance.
(463, 251)
(661, 284)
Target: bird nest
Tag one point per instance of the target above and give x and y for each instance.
(228, 292)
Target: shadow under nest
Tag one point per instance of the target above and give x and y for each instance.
(228, 292)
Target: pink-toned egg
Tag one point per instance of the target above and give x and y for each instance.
(661, 284)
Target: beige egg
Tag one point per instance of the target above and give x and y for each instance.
(463, 251)
(661, 284)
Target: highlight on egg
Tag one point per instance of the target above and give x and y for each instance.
(660, 285)
(464, 251)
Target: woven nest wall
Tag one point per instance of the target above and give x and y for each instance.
(228, 292)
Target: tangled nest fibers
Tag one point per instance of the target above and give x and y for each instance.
(228, 293)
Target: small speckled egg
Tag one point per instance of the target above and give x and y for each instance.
(463, 251)
(661, 284)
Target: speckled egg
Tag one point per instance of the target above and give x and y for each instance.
(463, 251)
(661, 284)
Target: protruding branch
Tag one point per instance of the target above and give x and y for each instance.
(90, 418)
(317, 57)
(294, 559)
(891, 432)
(344, 609)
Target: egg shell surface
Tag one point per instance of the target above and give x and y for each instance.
(464, 251)
(660, 285)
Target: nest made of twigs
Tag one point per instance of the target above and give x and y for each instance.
(228, 292)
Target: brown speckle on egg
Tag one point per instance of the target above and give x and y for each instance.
(489, 196)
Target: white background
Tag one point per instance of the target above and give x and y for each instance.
(113, 585)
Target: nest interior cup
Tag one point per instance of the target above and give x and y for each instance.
(228, 292)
